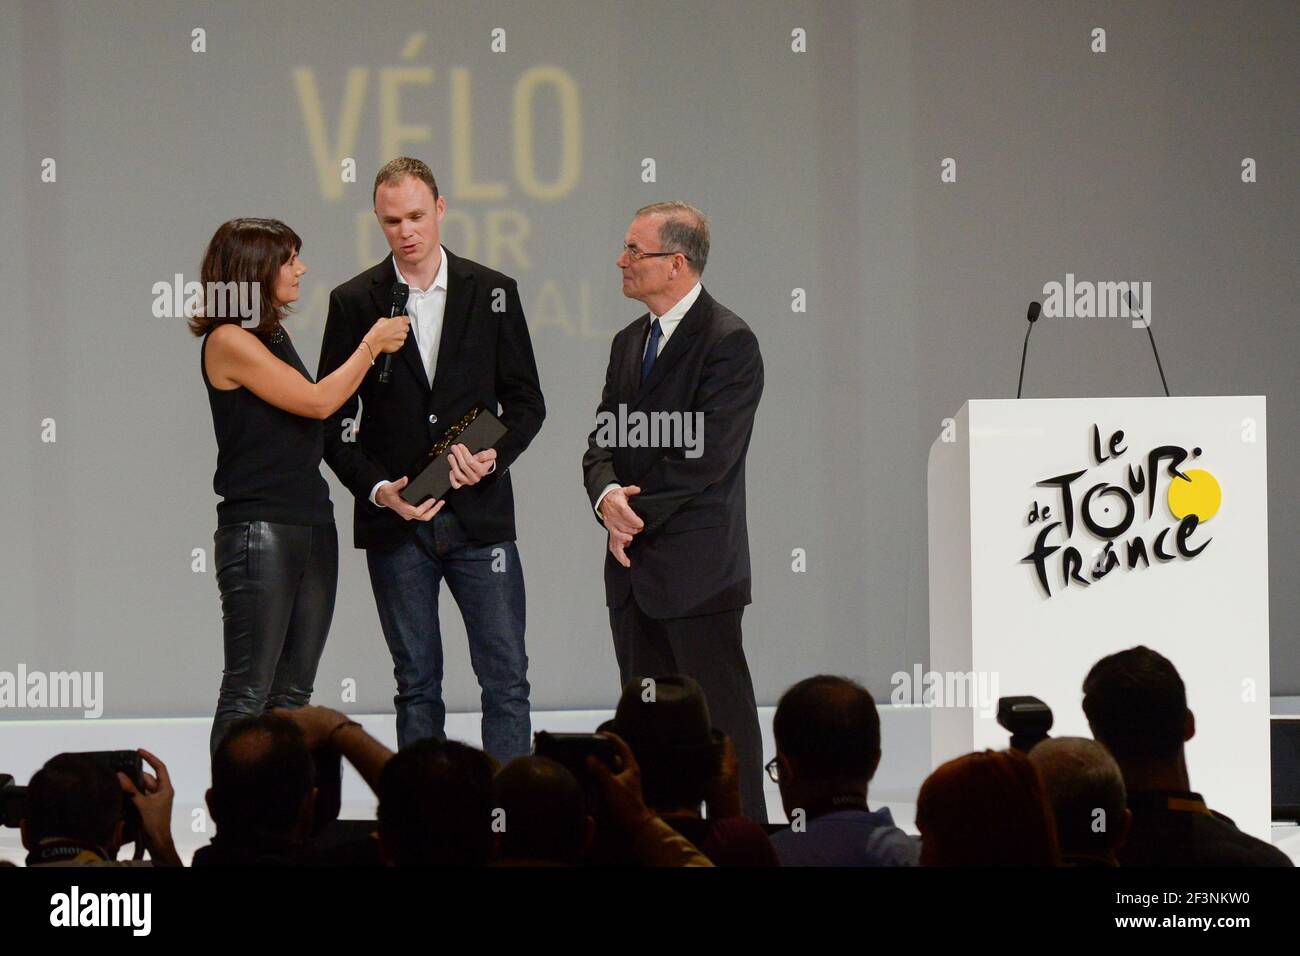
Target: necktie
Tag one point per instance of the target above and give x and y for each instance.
(651, 350)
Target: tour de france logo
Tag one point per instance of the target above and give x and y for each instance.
(1108, 509)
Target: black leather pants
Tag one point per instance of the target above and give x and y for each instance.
(277, 585)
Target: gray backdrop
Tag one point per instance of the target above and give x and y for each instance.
(820, 170)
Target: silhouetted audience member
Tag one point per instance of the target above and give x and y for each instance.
(685, 762)
(1086, 790)
(435, 805)
(75, 814)
(986, 809)
(546, 819)
(1136, 705)
(827, 733)
(650, 841)
(329, 735)
(262, 797)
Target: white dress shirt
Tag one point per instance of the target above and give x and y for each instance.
(426, 307)
(667, 324)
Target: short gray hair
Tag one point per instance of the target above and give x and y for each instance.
(1081, 777)
(684, 229)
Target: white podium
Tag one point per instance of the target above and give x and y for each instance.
(1026, 607)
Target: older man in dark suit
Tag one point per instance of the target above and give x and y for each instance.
(677, 575)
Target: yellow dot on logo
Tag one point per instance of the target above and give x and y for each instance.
(1200, 496)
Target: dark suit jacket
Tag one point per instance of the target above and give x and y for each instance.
(692, 557)
(483, 356)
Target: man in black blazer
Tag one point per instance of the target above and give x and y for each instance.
(677, 575)
(468, 343)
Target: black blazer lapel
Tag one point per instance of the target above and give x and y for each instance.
(694, 319)
(384, 275)
(455, 316)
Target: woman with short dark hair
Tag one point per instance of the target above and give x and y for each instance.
(275, 548)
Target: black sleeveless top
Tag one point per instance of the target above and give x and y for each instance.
(268, 460)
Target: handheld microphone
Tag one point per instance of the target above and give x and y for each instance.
(1034, 309)
(396, 306)
(1159, 367)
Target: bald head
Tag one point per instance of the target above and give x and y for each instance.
(262, 777)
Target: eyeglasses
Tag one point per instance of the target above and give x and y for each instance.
(773, 770)
(636, 255)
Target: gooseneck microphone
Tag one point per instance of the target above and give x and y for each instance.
(1034, 309)
(396, 306)
(1160, 368)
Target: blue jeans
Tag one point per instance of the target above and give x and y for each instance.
(487, 582)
